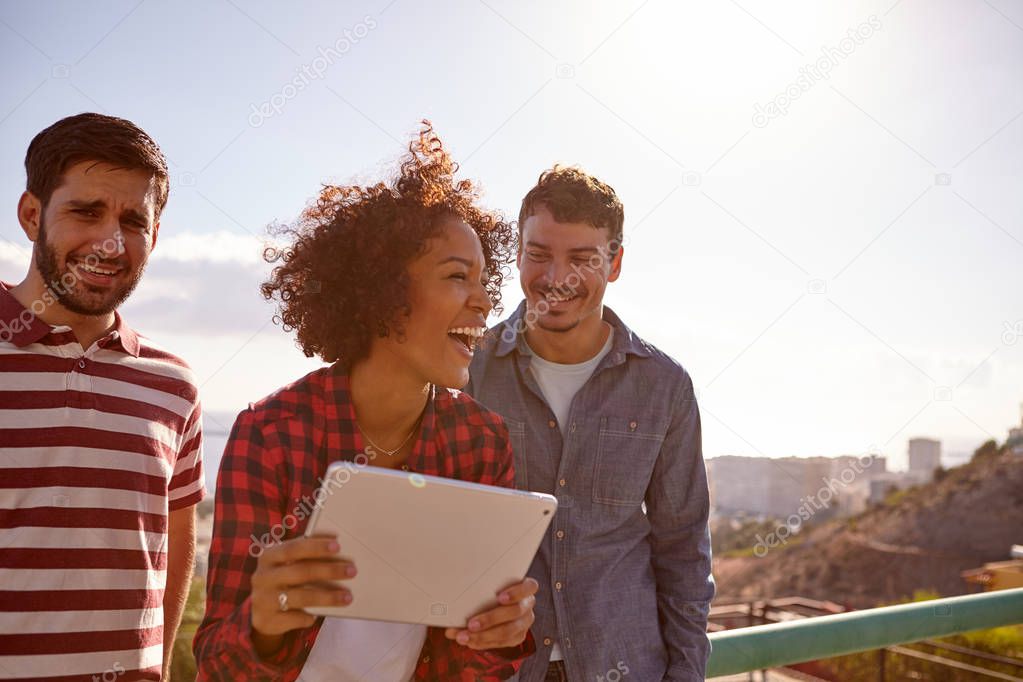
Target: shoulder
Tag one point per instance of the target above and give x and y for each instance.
(657, 368)
(457, 408)
(156, 356)
(161, 368)
(292, 404)
(666, 366)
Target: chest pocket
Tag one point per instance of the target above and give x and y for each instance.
(627, 449)
(517, 432)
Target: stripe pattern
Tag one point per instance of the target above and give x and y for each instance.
(97, 446)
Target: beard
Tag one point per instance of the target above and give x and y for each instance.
(561, 323)
(72, 293)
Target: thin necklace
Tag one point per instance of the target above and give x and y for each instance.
(390, 453)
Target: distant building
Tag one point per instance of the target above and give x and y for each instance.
(807, 487)
(1015, 441)
(924, 458)
(882, 485)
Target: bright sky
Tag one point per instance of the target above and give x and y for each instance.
(841, 272)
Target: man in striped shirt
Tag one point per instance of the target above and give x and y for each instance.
(100, 435)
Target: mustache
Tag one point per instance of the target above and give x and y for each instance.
(562, 290)
(93, 259)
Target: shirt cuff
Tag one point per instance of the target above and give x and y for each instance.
(281, 660)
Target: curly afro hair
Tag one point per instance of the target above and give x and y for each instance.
(343, 279)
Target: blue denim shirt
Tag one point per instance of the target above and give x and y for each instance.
(621, 589)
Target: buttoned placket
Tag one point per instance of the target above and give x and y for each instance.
(77, 379)
(559, 555)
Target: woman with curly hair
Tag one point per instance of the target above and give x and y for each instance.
(392, 285)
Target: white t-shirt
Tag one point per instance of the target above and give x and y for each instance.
(559, 383)
(349, 649)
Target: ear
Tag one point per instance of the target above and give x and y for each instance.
(616, 264)
(156, 233)
(30, 214)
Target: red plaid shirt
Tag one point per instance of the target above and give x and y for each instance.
(278, 451)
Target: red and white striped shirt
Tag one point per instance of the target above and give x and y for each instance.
(96, 446)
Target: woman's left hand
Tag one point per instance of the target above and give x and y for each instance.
(503, 626)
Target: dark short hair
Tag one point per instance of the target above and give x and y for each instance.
(92, 137)
(574, 196)
(342, 280)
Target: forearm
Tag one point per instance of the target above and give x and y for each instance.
(180, 563)
(225, 649)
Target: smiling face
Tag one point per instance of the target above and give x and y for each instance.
(449, 307)
(94, 235)
(565, 269)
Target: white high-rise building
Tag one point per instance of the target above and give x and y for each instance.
(924, 456)
(1015, 440)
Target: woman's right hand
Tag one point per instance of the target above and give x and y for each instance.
(302, 569)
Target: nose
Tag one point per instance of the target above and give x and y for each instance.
(110, 239)
(557, 274)
(480, 301)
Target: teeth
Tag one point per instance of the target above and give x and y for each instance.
(473, 332)
(98, 271)
(559, 299)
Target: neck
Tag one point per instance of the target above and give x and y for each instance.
(33, 293)
(388, 403)
(569, 347)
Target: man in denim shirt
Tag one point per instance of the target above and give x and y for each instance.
(610, 426)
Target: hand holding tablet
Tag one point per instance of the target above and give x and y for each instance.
(428, 550)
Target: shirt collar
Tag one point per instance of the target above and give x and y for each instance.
(21, 326)
(18, 324)
(510, 335)
(126, 335)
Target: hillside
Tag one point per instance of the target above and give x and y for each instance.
(921, 538)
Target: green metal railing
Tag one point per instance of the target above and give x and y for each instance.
(808, 639)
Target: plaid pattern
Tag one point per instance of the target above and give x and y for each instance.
(278, 451)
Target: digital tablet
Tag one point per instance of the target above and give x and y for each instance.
(428, 550)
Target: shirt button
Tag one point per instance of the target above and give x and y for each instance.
(547, 641)
(426, 659)
(81, 363)
(557, 585)
(552, 423)
(632, 426)
(562, 483)
(560, 534)
(573, 427)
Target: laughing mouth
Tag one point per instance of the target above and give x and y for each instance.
(554, 297)
(100, 270)
(467, 336)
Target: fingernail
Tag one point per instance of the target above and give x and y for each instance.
(463, 638)
(347, 598)
(504, 598)
(474, 625)
(350, 571)
(333, 547)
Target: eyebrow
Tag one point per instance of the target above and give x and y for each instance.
(99, 203)
(578, 249)
(457, 259)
